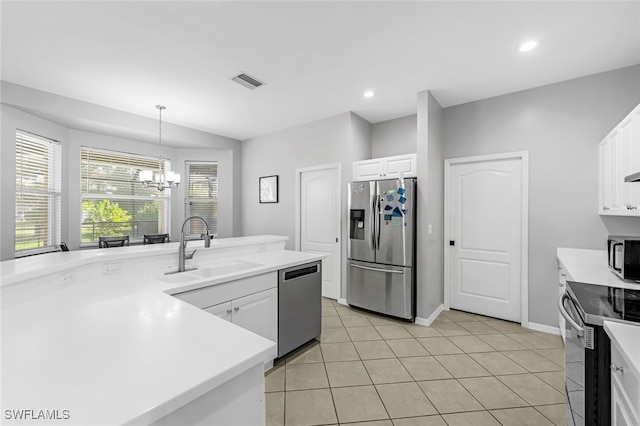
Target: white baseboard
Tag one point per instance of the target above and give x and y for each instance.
(343, 301)
(544, 328)
(432, 317)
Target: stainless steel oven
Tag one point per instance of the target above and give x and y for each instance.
(587, 359)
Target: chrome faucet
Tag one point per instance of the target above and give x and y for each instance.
(182, 255)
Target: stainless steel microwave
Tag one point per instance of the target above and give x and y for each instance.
(624, 257)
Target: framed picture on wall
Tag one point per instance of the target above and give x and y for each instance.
(269, 189)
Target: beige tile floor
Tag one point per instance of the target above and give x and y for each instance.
(465, 369)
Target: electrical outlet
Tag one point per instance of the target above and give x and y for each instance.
(68, 278)
(111, 268)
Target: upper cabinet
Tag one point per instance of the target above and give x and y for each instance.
(619, 156)
(386, 168)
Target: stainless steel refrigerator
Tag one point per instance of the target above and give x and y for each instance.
(381, 273)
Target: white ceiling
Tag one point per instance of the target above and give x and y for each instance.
(317, 58)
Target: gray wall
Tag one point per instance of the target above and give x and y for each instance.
(394, 137)
(13, 119)
(429, 285)
(560, 125)
(343, 138)
(434, 261)
(75, 123)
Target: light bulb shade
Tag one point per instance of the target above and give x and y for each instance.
(160, 181)
(146, 175)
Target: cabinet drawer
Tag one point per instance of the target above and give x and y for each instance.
(628, 377)
(220, 293)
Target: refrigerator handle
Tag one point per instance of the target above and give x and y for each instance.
(377, 213)
(372, 223)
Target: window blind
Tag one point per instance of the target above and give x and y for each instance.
(114, 202)
(38, 194)
(202, 194)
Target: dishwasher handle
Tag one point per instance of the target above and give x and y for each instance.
(300, 272)
(568, 317)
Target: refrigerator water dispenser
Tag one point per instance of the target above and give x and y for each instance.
(356, 225)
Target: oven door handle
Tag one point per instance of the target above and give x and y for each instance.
(568, 317)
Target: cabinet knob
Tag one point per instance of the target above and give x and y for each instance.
(605, 208)
(228, 311)
(237, 308)
(562, 274)
(615, 368)
(630, 207)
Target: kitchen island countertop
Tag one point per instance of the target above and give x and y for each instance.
(118, 348)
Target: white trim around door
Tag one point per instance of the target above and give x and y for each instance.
(336, 215)
(523, 156)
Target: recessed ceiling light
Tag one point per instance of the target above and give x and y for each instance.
(369, 94)
(527, 46)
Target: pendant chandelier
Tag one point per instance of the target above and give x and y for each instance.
(159, 180)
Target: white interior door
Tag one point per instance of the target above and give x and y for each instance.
(485, 223)
(320, 222)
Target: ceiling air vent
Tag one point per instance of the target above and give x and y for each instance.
(247, 81)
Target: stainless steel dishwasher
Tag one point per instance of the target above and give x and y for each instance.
(299, 306)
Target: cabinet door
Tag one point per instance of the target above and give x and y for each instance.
(622, 413)
(562, 283)
(258, 313)
(368, 169)
(615, 179)
(401, 166)
(223, 310)
(604, 196)
(630, 147)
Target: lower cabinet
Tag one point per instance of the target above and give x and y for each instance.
(562, 283)
(251, 303)
(621, 411)
(625, 390)
(256, 312)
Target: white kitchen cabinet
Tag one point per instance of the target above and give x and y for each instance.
(222, 310)
(386, 168)
(619, 156)
(625, 390)
(256, 312)
(251, 303)
(629, 139)
(368, 169)
(562, 284)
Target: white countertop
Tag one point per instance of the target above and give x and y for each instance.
(120, 350)
(627, 338)
(591, 267)
(12, 271)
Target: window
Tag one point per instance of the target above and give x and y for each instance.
(114, 202)
(201, 195)
(38, 184)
